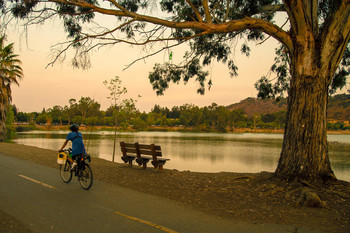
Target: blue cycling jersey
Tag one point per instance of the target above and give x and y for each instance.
(77, 143)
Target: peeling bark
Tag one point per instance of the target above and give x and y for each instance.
(305, 149)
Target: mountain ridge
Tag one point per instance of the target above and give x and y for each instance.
(338, 106)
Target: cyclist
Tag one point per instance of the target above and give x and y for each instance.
(78, 147)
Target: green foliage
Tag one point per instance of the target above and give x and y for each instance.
(42, 119)
(10, 116)
(139, 124)
(10, 73)
(327, 7)
(22, 9)
(10, 129)
(208, 118)
(341, 75)
(265, 89)
(166, 73)
(207, 48)
(123, 111)
(22, 117)
(25, 128)
(133, 5)
(116, 90)
(336, 126)
(279, 85)
(273, 121)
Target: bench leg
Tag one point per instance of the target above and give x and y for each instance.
(144, 166)
(130, 163)
(155, 164)
(160, 168)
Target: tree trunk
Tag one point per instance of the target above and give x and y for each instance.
(2, 124)
(305, 149)
(3, 112)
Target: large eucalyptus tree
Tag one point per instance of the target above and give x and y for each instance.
(314, 48)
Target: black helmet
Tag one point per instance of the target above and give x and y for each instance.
(74, 128)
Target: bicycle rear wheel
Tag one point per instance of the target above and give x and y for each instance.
(85, 177)
(66, 172)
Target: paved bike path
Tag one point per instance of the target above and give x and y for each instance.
(38, 197)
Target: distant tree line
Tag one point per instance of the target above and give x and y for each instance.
(209, 118)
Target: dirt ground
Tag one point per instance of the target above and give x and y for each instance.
(256, 197)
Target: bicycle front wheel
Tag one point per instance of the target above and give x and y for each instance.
(66, 172)
(85, 177)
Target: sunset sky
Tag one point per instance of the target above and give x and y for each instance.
(44, 87)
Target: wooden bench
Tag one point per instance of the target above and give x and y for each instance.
(142, 154)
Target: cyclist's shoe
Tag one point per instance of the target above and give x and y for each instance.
(73, 165)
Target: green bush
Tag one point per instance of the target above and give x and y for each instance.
(25, 128)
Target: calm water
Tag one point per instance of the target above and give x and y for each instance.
(204, 152)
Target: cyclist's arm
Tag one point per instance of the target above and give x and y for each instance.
(64, 144)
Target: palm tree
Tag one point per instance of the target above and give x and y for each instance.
(10, 72)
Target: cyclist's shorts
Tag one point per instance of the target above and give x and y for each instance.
(75, 157)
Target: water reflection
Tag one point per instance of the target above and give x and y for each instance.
(205, 152)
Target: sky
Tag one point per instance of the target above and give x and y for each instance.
(45, 87)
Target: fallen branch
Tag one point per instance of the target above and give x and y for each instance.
(244, 177)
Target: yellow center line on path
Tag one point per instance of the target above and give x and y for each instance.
(36, 181)
(147, 223)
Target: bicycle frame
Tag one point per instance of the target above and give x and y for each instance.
(82, 170)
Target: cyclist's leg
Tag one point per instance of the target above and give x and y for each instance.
(74, 157)
(69, 157)
(74, 161)
(78, 159)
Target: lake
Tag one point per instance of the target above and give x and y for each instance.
(202, 152)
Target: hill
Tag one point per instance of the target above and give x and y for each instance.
(252, 106)
(338, 106)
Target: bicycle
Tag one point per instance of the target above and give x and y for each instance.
(82, 169)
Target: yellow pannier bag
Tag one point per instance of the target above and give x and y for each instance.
(61, 158)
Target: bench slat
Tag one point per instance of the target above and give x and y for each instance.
(130, 150)
(144, 152)
(148, 152)
(143, 146)
(129, 144)
(163, 159)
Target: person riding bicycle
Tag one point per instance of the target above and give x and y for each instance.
(78, 147)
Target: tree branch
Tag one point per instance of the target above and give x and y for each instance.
(314, 7)
(254, 23)
(272, 8)
(203, 28)
(227, 10)
(270, 36)
(152, 54)
(336, 30)
(195, 10)
(208, 17)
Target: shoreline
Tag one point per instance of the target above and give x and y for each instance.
(173, 129)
